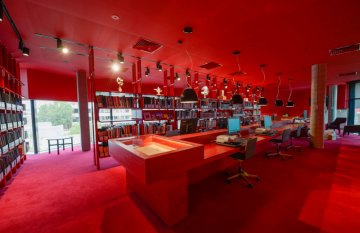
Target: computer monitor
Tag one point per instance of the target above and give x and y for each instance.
(234, 125)
(267, 122)
(188, 126)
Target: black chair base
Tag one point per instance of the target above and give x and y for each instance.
(282, 156)
(243, 175)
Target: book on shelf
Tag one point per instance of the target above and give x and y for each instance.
(116, 101)
(186, 114)
(157, 102)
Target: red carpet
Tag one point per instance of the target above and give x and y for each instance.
(316, 192)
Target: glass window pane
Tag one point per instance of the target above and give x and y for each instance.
(27, 126)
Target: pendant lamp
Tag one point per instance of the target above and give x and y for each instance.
(278, 102)
(237, 98)
(262, 100)
(188, 95)
(290, 103)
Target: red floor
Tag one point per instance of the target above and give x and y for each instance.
(317, 191)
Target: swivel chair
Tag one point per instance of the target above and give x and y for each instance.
(279, 141)
(336, 124)
(240, 157)
(295, 134)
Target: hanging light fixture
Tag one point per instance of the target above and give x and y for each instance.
(278, 102)
(147, 72)
(60, 46)
(189, 95)
(262, 100)
(177, 76)
(158, 66)
(187, 72)
(25, 51)
(1, 11)
(121, 58)
(290, 103)
(237, 98)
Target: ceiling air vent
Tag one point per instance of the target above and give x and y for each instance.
(345, 49)
(147, 46)
(210, 65)
(348, 74)
(237, 73)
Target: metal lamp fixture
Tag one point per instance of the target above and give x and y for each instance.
(290, 103)
(278, 102)
(237, 98)
(262, 100)
(189, 95)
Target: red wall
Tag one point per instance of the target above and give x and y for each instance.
(342, 98)
(43, 85)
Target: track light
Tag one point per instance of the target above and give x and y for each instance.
(1, 11)
(158, 66)
(177, 77)
(121, 58)
(208, 77)
(187, 72)
(25, 51)
(60, 46)
(147, 72)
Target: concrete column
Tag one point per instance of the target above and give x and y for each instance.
(82, 94)
(333, 92)
(318, 90)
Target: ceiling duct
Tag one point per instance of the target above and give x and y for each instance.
(147, 46)
(345, 49)
(210, 65)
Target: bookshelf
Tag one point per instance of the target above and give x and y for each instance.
(116, 115)
(11, 119)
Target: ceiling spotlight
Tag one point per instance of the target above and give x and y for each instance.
(188, 30)
(1, 12)
(60, 46)
(188, 73)
(177, 76)
(147, 72)
(26, 51)
(208, 77)
(115, 67)
(158, 66)
(121, 58)
(115, 17)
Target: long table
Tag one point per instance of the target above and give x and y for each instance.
(162, 179)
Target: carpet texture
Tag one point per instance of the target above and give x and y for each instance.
(316, 192)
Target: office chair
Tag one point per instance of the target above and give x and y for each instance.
(284, 139)
(240, 157)
(336, 124)
(295, 134)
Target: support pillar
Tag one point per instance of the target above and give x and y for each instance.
(318, 90)
(82, 95)
(333, 92)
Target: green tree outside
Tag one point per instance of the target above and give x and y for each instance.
(58, 113)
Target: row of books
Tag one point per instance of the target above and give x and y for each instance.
(116, 102)
(107, 133)
(186, 114)
(178, 104)
(156, 128)
(8, 161)
(10, 140)
(152, 115)
(207, 123)
(208, 114)
(103, 150)
(10, 121)
(157, 102)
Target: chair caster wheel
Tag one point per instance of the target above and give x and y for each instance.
(250, 186)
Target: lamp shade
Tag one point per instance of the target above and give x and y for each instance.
(262, 101)
(279, 103)
(237, 99)
(290, 104)
(188, 96)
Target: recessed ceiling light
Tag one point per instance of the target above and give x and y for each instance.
(115, 17)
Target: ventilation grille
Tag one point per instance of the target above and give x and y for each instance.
(348, 74)
(345, 49)
(237, 73)
(210, 65)
(147, 46)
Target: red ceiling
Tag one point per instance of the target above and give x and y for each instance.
(288, 36)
